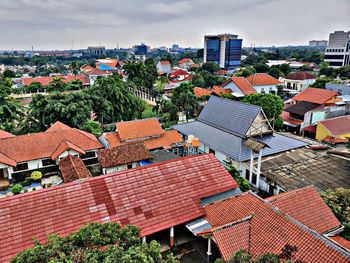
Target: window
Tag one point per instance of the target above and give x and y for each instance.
(88, 155)
(211, 151)
(262, 91)
(47, 162)
(21, 167)
(129, 165)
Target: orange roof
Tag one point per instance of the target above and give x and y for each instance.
(45, 81)
(109, 62)
(5, 134)
(259, 79)
(307, 206)
(44, 144)
(7, 160)
(200, 92)
(218, 90)
(185, 60)
(315, 95)
(244, 85)
(58, 126)
(138, 129)
(164, 62)
(248, 220)
(167, 139)
(286, 117)
(86, 68)
(342, 241)
(66, 146)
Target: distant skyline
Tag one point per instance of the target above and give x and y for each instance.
(64, 24)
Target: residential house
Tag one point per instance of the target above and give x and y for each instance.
(107, 64)
(297, 81)
(174, 83)
(86, 68)
(45, 81)
(338, 128)
(263, 83)
(342, 89)
(164, 66)
(179, 75)
(310, 106)
(237, 132)
(72, 168)
(147, 131)
(159, 198)
(297, 168)
(96, 73)
(239, 87)
(185, 63)
(247, 222)
(123, 157)
(20, 155)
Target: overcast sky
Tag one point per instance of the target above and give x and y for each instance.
(53, 24)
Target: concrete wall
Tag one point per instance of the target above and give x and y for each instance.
(266, 88)
(118, 168)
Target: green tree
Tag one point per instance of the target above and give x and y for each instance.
(245, 72)
(120, 245)
(344, 72)
(241, 181)
(261, 68)
(272, 105)
(183, 97)
(339, 202)
(76, 84)
(275, 72)
(284, 68)
(326, 70)
(57, 85)
(34, 87)
(93, 127)
(74, 67)
(198, 81)
(210, 67)
(321, 82)
(151, 73)
(9, 74)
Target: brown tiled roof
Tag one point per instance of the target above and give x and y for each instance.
(5, 134)
(138, 129)
(267, 231)
(123, 154)
(66, 146)
(43, 145)
(155, 197)
(315, 95)
(73, 168)
(301, 75)
(307, 206)
(167, 139)
(259, 79)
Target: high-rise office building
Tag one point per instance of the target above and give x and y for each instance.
(224, 50)
(338, 50)
(141, 49)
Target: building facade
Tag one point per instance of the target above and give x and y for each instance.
(318, 43)
(338, 50)
(224, 50)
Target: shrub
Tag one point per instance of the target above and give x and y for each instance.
(25, 191)
(26, 182)
(36, 175)
(16, 189)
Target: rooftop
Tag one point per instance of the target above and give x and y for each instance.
(301, 75)
(302, 107)
(260, 79)
(244, 85)
(72, 168)
(315, 95)
(337, 126)
(123, 154)
(154, 197)
(5, 134)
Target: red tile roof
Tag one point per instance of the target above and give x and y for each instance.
(44, 144)
(164, 62)
(123, 154)
(218, 90)
(66, 146)
(337, 126)
(307, 206)
(221, 72)
(177, 73)
(5, 134)
(259, 79)
(98, 72)
(45, 81)
(154, 197)
(342, 241)
(138, 129)
(200, 92)
(58, 126)
(315, 95)
(270, 230)
(167, 139)
(73, 168)
(185, 60)
(244, 85)
(7, 160)
(86, 68)
(301, 75)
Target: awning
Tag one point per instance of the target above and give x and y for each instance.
(198, 226)
(311, 128)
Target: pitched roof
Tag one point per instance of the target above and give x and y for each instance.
(307, 206)
(164, 62)
(138, 129)
(243, 84)
(123, 154)
(5, 134)
(200, 92)
(154, 197)
(165, 140)
(7, 160)
(98, 72)
(65, 145)
(302, 107)
(301, 75)
(179, 72)
(337, 126)
(315, 95)
(45, 81)
(42, 145)
(229, 115)
(58, 126)
(185, 60)
(219, 90)
(73, 168)
(260, 79)
(264, 229)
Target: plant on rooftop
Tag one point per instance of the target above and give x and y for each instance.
(36, 175)
(95, 243)
(242, 182)
(339, 202)
(26, 182)
(16, 189)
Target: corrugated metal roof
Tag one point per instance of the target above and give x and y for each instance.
(233, 146)
(229, 115)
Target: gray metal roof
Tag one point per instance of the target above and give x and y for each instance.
(228, 115)
(232, 145)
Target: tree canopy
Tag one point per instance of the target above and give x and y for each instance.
(184, 99)
(95, 243)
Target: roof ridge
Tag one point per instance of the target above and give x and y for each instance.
(227, 198)
(236, 222)
(289, 193)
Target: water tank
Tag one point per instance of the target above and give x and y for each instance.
(195, 142)
(190, 138)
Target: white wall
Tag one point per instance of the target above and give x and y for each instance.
(118, 168)
(266, 88)
(233, 87)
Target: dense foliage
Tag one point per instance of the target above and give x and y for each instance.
(93, 127)
(272, 105)
(241, 181)
(95, 243)
(339, 202)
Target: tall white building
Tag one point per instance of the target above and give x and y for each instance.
(338, 50)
